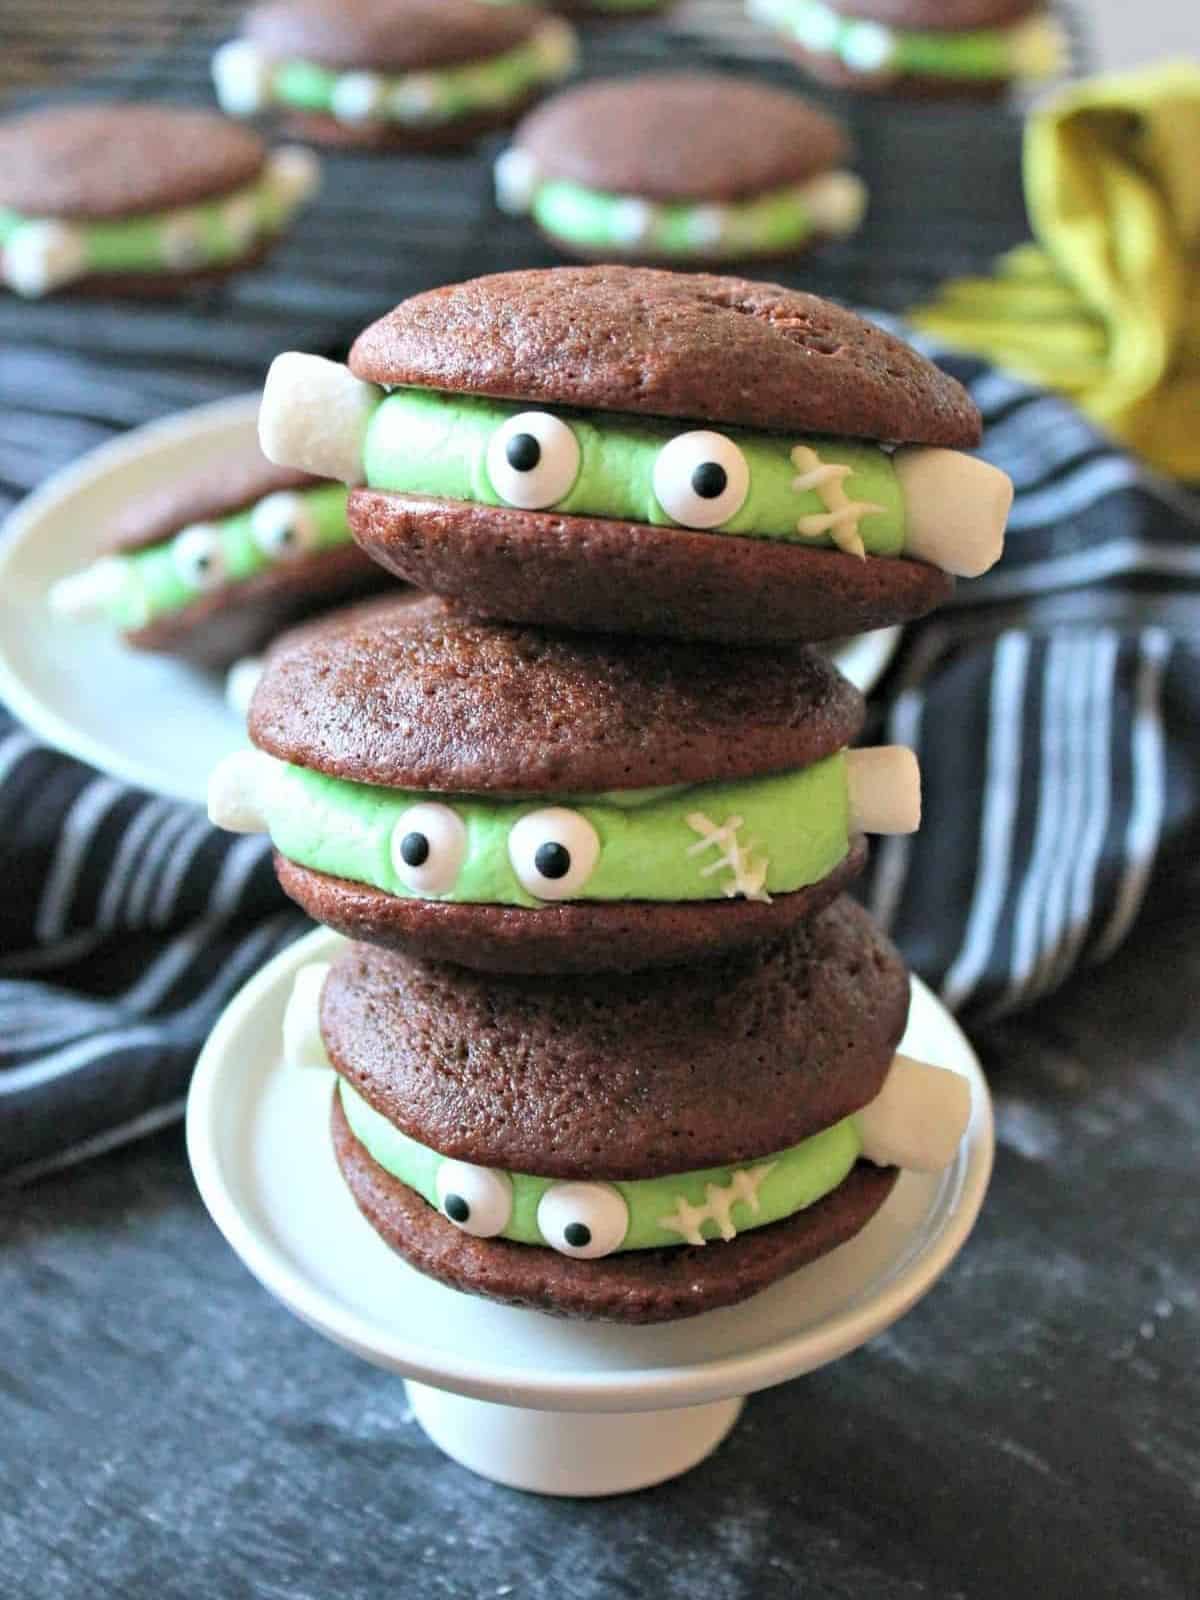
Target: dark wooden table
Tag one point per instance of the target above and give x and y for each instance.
(1030, 1430)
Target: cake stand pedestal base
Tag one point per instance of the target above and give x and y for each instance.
(571, 1452)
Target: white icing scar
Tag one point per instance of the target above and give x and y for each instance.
(749, 875)
(841, 516)
(719, 1201)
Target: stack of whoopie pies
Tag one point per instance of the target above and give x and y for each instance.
(609, 1038)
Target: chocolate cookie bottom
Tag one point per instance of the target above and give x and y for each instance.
(598, 575)
(578, 936)
(639, 1286)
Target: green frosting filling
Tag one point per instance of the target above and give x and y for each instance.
(780, 1185)
(794, 830)
(157, 581)
(867, 47)
(427, 97)
(419, 441)
(599, 221)
(208, 234)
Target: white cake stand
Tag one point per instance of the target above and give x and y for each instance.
(532, 1401)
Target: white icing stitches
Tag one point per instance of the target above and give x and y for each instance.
(749, 875)
(841, 516)
(719, 1201)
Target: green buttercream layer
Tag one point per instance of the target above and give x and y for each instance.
(143, 243)
(798, 822)
(798, 1177)
(984, 53)
(421, 441)
(443, 94)
(595, 220)
(154, 586)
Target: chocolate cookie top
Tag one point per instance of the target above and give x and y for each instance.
(624, 1076)
(215, 489)
(681, 136)
(429, 699)
(90, 162)
(716, 349)
(388, 35)
(939, 16)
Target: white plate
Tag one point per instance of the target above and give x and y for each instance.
(258, 1137)
(143, 718)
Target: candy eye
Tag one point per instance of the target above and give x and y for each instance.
(533, 460)
(475, 1199)
(553, 852)
(283, 527)
(701, 479)
(428, 846)
(198, 557)
(583, 1219)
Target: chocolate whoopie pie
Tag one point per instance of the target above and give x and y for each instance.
(637, 1148)
(621, 449)
(409, 74)
(522, 801)
(215, 564)
(681, 168)
(141, 199)
(930, 49)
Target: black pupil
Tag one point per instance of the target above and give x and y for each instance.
(203, 563)
(709, 480)
(456, 1208)
(577, 1234)
(552, 860)
(414, 849)
(523, 452)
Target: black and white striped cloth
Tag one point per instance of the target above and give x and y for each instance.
(1055, 708)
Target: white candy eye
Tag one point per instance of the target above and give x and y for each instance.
(701, 479)
(553, 852)
(198, 557)
(533, 460)
(583, 1219)
(283, 527)
(428, 846)
(475, 1199)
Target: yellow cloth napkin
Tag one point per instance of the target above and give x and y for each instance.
(1106, 305)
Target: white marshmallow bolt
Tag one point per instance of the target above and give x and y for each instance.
(358, 97)
(240, 683)
(917, 1119)
(83, 596)
(314, 416)
(955, 509)
(516, 176)
(885, 789)
(241, 78)
(39, 257)
(836, 202)
(294, 175)
(302, 1043)
(239, 791)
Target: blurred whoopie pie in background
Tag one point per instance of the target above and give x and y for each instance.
(215, 564)
(407, 74)
(139, 199)
(929, 49)
(681, 168)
